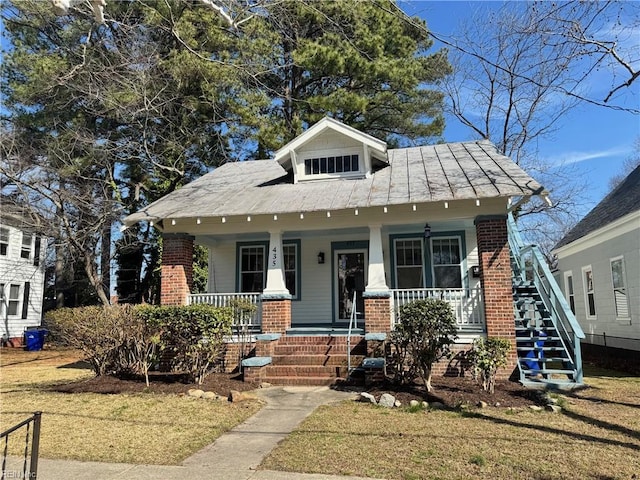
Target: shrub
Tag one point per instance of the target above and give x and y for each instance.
(486, 357)
(99, 332)
(423, 335)
(194, 335)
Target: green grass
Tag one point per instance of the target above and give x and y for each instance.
(596, 437)
(141, 428)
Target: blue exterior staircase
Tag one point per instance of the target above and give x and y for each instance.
(547, 333)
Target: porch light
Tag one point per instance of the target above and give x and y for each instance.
(356, 212)
(320, 257)
(173, 222)
(275, 217)
(446, 204)
(198, 221)
(328, 214)
(301, 216)
(477, 202)
(414, 208)
(385, 209)
(224, 219)
(248, 218)
(427, 231)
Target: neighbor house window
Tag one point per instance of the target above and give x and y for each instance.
(4, 240)
(568, 290)
(446, 259)
(25, 250)
(589, 292)
(619, 287)
(13, 302)
(336, 164)
(409, 263)
(252, 268)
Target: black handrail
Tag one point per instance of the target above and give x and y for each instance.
(36, 419)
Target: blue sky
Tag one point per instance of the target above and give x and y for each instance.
(596, 139)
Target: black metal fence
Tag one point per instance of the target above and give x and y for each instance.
(30, 438)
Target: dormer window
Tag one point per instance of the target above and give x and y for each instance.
(330, 165)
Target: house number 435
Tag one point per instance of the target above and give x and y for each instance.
(274, 256)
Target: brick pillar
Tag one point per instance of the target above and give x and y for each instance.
(377, 312)
(276, 313)
(177, 269)
(496, 281)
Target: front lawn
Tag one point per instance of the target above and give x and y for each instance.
(596, 436)
(147, 428)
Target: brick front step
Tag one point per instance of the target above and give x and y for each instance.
(320, 360)
(318, 340)
(310, 381)
(318, 349)
(305, 371)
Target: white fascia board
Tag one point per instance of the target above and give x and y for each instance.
(626, 224)
(326, 123)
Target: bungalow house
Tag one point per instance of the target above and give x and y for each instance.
(21, 275)
(335, 232)
(599, 267)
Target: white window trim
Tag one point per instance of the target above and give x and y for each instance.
(330, 152)
(8, 242)
(626, 288)
(586, 269)
(422, 264)
(264, 270)
(296, 271)
(567, 293)
(460, 253)
(22, 246)
(18, 300)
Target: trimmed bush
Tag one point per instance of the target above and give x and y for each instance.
(423, 336)
(486, 357)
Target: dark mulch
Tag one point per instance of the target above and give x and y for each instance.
(220, 383)
(454, 392)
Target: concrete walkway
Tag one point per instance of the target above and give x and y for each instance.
(233, 456)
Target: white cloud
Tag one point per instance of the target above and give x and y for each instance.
(571, 157)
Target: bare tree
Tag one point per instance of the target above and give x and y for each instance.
(628, 166)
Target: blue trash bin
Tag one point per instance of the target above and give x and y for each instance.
(34, 339)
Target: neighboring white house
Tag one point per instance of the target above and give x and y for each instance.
(599, 268)
(22, 253)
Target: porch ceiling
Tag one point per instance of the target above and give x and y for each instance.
(446, 172)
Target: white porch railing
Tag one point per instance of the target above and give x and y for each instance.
(251, 323)
(466, 303)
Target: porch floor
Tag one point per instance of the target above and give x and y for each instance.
(323, 331)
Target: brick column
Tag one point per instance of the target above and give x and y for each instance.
(177, 269)
(496, 281)
(377, 312)
(276, 313)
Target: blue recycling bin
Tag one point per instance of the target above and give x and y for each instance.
(535, 356)
(34, 339)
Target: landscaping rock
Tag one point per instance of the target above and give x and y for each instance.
(436, 405)
(265, 385)
(482, 404)
(235, 396)
(367, 398)
(209, 395)
(387, 400)
(414, 403)
(196, 393)
(425, 404)
(497, 404)
(553, 408)
(397, 404)
(535, 408)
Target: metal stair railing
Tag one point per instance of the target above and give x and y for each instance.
(533, 267)
(353, 323)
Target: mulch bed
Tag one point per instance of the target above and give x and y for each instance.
(450, 391)
(454, 392)
(220, 383)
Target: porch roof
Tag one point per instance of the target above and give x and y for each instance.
(445, 172)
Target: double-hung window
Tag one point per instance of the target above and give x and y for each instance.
(4, 240)
(25, 249)
(447, 262)
(253, 267)
(409, 263)
(13, 301)
(568, 289)
(589, 291)
(619, 287)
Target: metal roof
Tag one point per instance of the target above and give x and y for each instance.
(436, 173)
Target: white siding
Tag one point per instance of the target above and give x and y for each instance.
(15, 270)
(598, 256)
(222, 266)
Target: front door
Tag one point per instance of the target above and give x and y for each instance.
(350, 268)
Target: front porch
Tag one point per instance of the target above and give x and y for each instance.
(466, 303)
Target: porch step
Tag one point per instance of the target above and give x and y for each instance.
(304, 349)
(305, 371)
(306, 381)
(318, 340)
(319, 360)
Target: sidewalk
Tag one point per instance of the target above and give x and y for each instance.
(234, 456)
